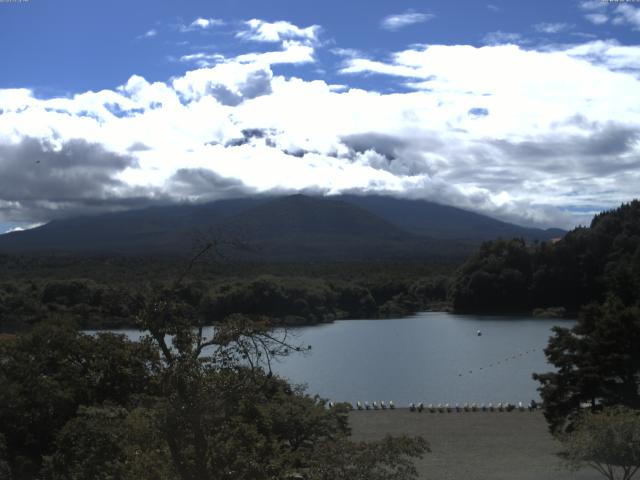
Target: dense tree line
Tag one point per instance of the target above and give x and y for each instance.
(585, 266)
(298, 300)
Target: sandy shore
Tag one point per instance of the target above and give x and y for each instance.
(475, 445)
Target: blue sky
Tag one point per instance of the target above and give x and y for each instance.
(526, 111)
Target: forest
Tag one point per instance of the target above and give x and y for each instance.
(588, 265)
(107, 292)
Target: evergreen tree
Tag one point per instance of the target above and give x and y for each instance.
(597, 362)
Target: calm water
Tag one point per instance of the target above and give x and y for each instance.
(429, 357)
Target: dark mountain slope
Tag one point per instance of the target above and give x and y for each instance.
(295, 227)
(422, 217)
(300, 215)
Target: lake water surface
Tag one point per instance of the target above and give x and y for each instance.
(428, 357)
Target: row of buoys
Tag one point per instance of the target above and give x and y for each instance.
(442, 408)
(366, 406)
(499, 362)
(472, 407)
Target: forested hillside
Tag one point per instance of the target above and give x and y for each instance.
(585, 266)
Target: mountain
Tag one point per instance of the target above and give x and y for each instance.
(291, 228)
(422, 217)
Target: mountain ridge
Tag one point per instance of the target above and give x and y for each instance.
(289, 227)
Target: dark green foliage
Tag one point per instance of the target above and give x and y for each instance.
(90, 446)
(496, 278)
(46, 375)
(585, 266)
(597, 362)
(5, 469)
(312, 300)
(104, 293)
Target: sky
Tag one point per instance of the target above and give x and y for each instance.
(525, 111)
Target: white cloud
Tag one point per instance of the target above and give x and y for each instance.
(202, 24)
(493, 8)
(627, 15)
(551, 27)
(203, 60)
(593, 5)
(518, 133)
(597, 9)
(261, 31)
(292, 52)
(619, 13)
(610, 54)
(347, 52)
(398, 21)
(597, 18)
(499, 37)
(149, 33)
(22, 229)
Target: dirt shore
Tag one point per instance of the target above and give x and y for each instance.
(474, 445)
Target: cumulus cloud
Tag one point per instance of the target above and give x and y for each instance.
(202, 24)
(260, 31)
(600, 12)
(627, 15)
(524, 134)
(39, 178)
(229, 84)
(398, 21)
(596, 11)
(610, 54)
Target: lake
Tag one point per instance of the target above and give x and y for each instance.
(429, 357)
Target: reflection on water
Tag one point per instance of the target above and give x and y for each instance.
(429, 357)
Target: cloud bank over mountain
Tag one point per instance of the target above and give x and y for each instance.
(538, 134)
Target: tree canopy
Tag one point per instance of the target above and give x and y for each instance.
(585, 266)
(597, 363)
